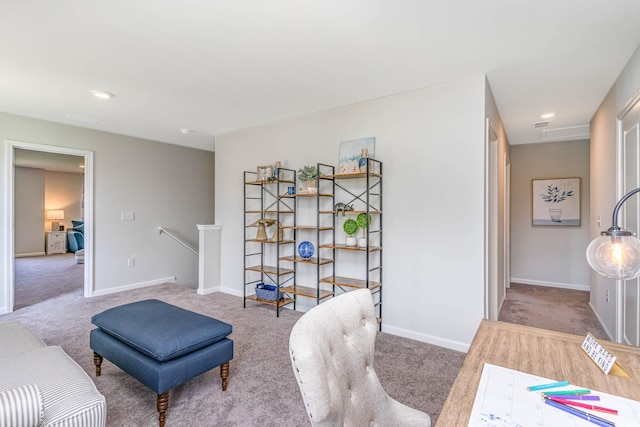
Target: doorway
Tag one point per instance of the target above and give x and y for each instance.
(11, 204)
(629, 219)
(497, 236)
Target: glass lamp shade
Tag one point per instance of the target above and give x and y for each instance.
(615, 257)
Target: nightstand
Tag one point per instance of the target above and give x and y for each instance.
(56, 242)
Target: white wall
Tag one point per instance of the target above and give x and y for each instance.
(165, 185)
(603, 179)
(29, 208)
(549, 256)
(63, 190)
(37, 191)
(431, 142)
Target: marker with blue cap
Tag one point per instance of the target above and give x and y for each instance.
(548, 386)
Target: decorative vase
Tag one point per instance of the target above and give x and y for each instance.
(261, 235)
(362, 242)
(305, 249)
(350, 241)
(278, 234)
(555, 214)
(311, 187)
(362, 163)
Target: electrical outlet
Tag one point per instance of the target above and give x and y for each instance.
(128, 216)
(607, 295)
(131, 262)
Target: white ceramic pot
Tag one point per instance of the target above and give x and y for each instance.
(350, 241)
(362, 242)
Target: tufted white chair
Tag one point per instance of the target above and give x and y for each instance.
(332, 348)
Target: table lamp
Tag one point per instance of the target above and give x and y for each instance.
(616, 253)
(55, 215)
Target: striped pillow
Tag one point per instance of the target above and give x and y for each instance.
(21, 406)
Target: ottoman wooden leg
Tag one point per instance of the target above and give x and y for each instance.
(163, 404)
(97, 360)
(224, 374)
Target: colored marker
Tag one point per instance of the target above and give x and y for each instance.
(580, 414)
(570, 392)
(546, 386)
(572, 397)
(585, 405)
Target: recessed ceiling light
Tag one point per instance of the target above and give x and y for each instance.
(185, 131)
(81, 166)
(547, 115)
(102, 94)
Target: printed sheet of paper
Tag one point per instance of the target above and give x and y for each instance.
(502, 400)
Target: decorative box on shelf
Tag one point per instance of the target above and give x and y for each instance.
(266, 292)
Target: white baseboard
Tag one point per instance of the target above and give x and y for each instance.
(28, 254)
(609, 334)
(207, 291)
(231, 291)
(572, 286)
(405, 333)
(429, 339)
(133, 286)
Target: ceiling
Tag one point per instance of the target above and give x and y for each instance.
(217, 66)
(48, 161)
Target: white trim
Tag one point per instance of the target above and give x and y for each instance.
(573, 286)
(231, 291)
(25, 255)
(138, 285)
(10, 204)
(429, 339)
(604, 326)
(401, 332)
(620, 166)
(209, 227)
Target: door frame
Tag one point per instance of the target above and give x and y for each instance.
(629, 107)
(492, 201)
(11, 145)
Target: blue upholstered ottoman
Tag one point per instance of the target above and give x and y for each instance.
(161, 345)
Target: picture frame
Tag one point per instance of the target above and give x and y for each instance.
(351, 152)
(263, 173)
(556, 202)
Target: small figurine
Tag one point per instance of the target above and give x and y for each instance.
(342, 207)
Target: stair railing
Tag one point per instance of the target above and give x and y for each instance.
(163, 230)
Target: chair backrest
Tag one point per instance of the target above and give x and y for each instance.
(332, 349)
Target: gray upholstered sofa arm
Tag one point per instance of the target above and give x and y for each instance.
(21, 406)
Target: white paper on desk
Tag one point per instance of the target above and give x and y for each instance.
(502, 400)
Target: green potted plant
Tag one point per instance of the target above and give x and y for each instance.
(307, 176)
(363, 221)
(350, 227)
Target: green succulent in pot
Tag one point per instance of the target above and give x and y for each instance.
(363, 221)
(307, 173)
(350, 227)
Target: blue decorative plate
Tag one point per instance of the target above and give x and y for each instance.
(305, 249)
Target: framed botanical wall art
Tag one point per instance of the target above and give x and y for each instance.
(556, 202)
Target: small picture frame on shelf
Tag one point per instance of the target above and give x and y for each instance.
(264, 173)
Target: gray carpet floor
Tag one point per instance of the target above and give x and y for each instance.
(555, 309)
(262, 389)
